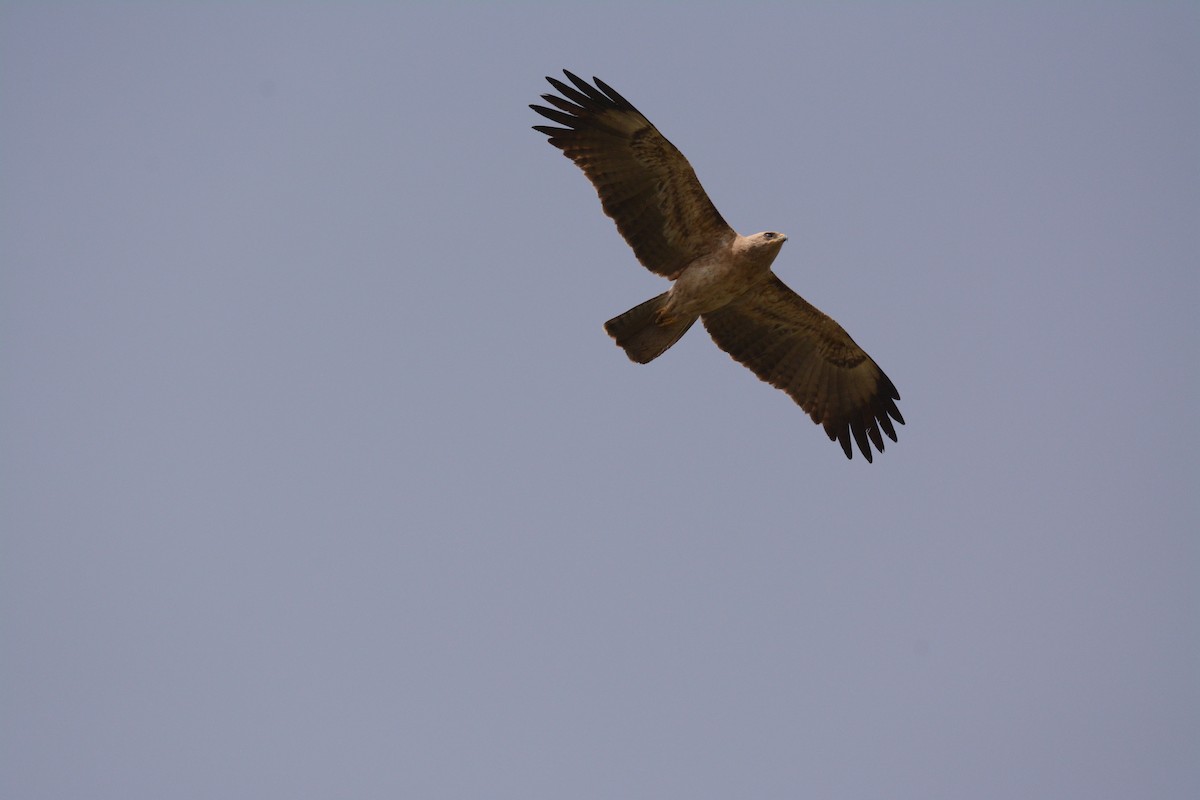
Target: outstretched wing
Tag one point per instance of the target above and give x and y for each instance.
(793, 346)
(645, 184)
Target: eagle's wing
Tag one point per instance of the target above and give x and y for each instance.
(645, 184)
(793, 346)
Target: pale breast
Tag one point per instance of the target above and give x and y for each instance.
(715, 280)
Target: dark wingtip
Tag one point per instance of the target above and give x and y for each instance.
(876, 436)
(842, 437)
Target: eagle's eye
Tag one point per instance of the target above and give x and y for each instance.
(769, 235)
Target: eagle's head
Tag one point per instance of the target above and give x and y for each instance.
(763, 247)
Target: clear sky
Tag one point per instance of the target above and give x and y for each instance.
(320, 478)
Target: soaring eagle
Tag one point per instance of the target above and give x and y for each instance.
(651, 192)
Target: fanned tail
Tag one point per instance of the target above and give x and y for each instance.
(643, 334)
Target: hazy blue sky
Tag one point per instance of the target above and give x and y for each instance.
(320, 478)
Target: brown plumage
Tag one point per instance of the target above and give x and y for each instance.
(650, 190)
(644, 183)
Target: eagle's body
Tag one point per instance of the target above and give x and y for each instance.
(718, 278)
(651, 192)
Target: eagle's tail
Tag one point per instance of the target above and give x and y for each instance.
(641, 332)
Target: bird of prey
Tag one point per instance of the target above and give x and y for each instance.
(725, 279)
